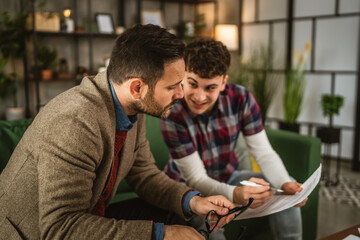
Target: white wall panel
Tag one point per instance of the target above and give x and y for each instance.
(345, 85)
(311, 109)
(279, 45)
(314, 7)
(248, 12)
(302, 34)
(335, 43)
(272, 9)
(275, 109)
(349, 6)
(253, 36)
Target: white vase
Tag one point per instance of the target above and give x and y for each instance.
(15, 113)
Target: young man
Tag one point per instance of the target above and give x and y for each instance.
(202, 130)
(66, 168)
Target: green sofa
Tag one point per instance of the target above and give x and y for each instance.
(301, 156)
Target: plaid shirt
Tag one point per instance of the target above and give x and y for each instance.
(214, 136)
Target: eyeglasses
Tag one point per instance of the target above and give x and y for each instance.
(212, 218)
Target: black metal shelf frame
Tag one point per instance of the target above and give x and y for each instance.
(290, 22)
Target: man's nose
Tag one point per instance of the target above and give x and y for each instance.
(179, 92)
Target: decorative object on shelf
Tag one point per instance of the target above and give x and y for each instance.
(69, 22)
(119, 30)
(63, 72)
(105, 23)
(255, 74)
(228, 34)
(200, 25)
(295, 83)
(155, 17)
(80, 73)
(12, 47)
(47, 59)
(44, 21)
(185, 31)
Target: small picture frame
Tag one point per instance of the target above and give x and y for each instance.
(105, 23)
(155, 17)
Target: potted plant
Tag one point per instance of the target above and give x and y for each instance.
(47, 60)
(294, 87)
(12, 47)
(331, 105)
(255, 74)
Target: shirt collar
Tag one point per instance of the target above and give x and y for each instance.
(123, 121)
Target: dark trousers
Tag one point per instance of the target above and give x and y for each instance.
(138, 209)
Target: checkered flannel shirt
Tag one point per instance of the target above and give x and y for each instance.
(214, 136)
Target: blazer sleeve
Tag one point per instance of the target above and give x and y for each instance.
(68, 153)
(151, 184)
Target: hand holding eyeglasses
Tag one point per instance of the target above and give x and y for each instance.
(213, 218)
(201, 206)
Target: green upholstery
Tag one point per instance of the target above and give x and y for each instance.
(300, 154)
(10, 134)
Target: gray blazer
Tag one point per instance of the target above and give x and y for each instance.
(59, 170)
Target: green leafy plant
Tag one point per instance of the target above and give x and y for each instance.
(47, 58)
(295, 83)
(256, 75)
(331, 104)
(12, 47)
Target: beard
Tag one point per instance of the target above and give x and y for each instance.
(149, 106)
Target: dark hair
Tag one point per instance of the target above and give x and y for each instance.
(207, 58)
(142, 51)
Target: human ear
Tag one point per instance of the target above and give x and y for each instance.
(226, 77)
(136, 86)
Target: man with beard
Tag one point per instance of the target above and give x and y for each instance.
(67, 167)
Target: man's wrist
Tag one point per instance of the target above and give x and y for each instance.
(186, 204)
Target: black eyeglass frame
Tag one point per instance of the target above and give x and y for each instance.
(236, 209)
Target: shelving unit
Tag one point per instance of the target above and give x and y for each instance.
(34, 84)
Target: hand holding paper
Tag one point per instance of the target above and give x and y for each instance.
(278, 203)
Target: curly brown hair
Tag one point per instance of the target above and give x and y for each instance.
(207, 58)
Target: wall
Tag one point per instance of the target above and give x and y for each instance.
(335, 51)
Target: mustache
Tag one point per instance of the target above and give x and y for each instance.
(173, 102)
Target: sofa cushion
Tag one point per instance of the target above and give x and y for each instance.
(10, 134)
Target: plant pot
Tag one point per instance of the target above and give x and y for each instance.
(46, 74)
(14, 113)
(293, 127)
(328, 134)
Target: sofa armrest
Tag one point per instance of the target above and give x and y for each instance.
(301, 156)
(10, 134)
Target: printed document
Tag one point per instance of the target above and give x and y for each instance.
(278, 203)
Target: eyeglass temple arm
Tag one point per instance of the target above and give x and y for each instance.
(241, 208)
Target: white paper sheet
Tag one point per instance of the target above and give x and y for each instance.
(278, 203)
(352, 237)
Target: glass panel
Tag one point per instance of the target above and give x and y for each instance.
(272, 9)
(336, 41)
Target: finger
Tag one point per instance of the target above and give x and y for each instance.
(221, 210)
(259, 181)
(254, 190)
(302, 203)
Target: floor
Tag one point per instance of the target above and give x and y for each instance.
(334, 217)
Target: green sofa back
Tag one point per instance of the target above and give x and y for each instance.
(10, 134)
